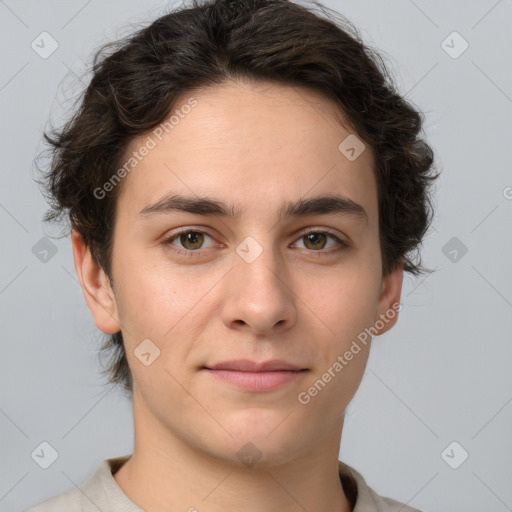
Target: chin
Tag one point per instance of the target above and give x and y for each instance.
(258, 422)
(259, 454)
(262, 444)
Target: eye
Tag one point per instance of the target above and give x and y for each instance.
(190, 239)
(316, 240)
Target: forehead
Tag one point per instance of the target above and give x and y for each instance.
(254, 145)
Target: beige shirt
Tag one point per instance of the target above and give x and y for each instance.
(101, 492)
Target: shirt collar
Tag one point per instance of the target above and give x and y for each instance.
(101, 491)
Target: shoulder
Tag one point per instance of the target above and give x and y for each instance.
(69, 501)
(92, 495)
(364, 498)
(385, 504)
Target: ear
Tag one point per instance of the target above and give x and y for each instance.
(96, 287)
(389, 300)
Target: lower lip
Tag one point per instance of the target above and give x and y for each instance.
(257, 381)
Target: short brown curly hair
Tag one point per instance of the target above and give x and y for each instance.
(136, 82)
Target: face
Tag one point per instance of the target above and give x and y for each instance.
(194, 287)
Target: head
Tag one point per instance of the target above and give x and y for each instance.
(227, 101)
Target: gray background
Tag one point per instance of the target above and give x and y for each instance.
(442, 374)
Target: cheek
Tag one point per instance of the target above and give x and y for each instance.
(341, 353)
(331, 388)
(167, 307)
(152, 299)
(346, 301)
(346, 308)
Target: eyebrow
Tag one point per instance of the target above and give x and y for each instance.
(321, 205)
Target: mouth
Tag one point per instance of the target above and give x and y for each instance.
(253, 376)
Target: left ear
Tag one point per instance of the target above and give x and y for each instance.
(389, 300)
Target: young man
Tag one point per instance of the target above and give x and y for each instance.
(244, 187)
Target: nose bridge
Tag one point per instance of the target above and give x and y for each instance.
(258, 264)
(259, 295)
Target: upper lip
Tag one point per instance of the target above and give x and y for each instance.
(246, 365)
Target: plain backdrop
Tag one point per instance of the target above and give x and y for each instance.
(438, 387)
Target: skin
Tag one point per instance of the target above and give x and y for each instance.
(258, 146)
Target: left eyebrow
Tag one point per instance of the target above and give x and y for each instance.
(321, 205)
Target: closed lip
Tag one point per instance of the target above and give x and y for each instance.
(246, 365)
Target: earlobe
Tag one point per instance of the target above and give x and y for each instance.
(389, 301)
(96, 287)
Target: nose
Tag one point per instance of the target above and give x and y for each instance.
(259, 297)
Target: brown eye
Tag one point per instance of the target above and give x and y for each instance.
(191, 239)
(188, 242)
(315, 240)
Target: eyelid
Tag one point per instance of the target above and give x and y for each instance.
(320, 229)
(187, 229)
(342, 243)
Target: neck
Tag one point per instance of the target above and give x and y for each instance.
(166, 472)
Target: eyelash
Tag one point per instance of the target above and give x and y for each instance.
(191, 253)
